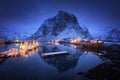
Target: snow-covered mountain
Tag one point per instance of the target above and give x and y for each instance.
(11, 35)
(4, 34)
(112, 33)
(63, 25)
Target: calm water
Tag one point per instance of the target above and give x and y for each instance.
(32, 66)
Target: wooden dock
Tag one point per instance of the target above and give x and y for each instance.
(43, 55)
(10, 53)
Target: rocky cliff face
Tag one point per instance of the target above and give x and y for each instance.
(63, 25)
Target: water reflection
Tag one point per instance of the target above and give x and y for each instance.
(95, 50)
(66, 62)
(80, 58)
(25, 48)
(62, 63)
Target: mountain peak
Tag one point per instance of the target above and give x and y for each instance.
(62, 12)
(66, 17)
(63, 25)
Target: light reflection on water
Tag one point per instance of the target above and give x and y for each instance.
(51, 68)
(24, 48)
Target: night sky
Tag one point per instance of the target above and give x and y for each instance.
(26, 16)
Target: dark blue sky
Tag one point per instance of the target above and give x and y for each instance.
(27, 15)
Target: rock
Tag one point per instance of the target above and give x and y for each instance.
(103, 71)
